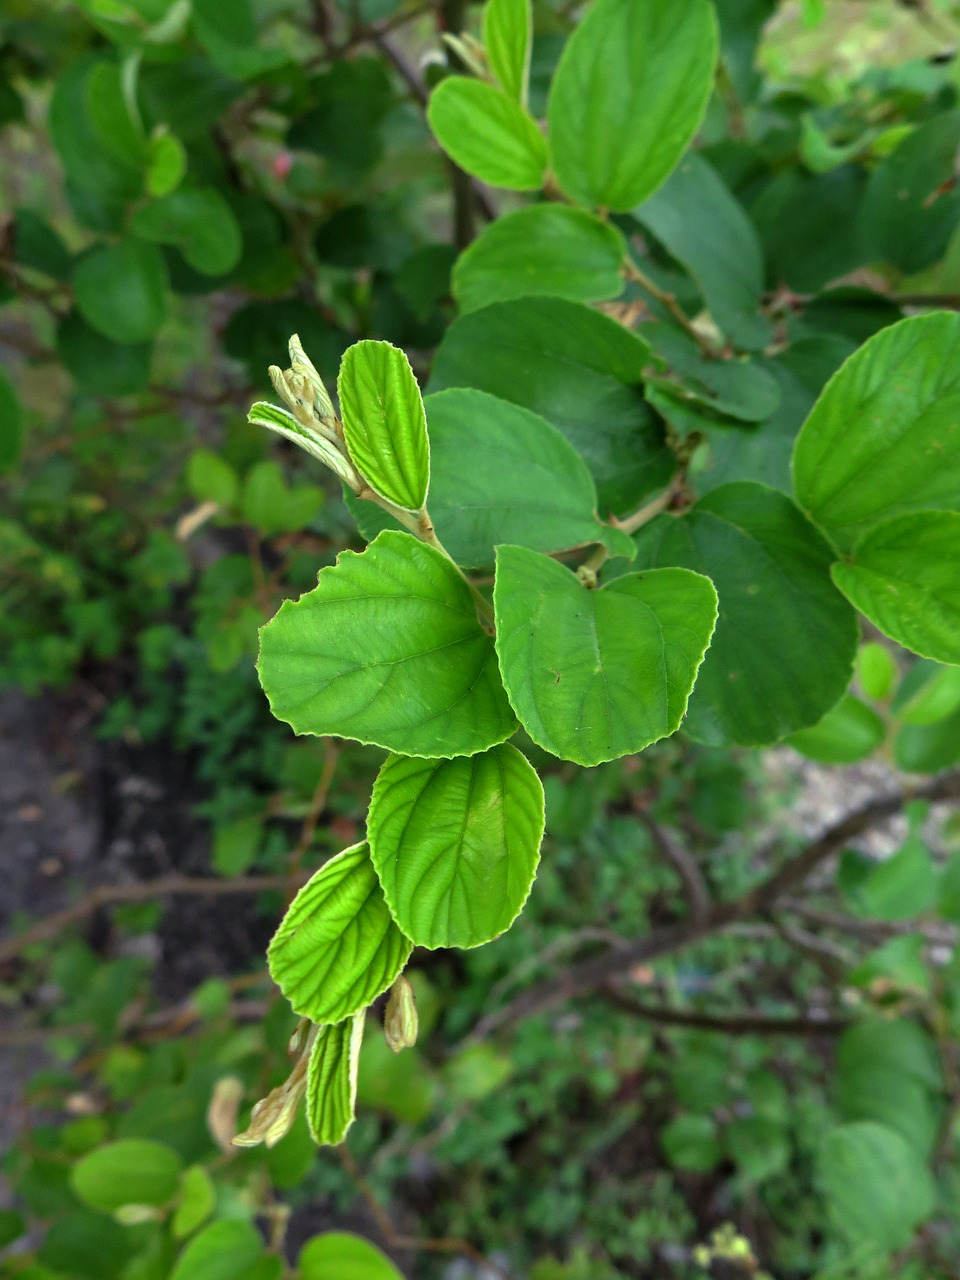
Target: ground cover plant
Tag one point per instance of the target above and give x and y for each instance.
(602, 467)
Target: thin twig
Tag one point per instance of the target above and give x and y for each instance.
(682, 861)
(669, 301)
(739, 1024)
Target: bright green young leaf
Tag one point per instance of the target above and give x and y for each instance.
(699, 221)
(884, 437)
(198, 222)
(485, 132)
(11, 424)
(900, 887)
(936, 699)
(384, 422)
(628, 96)
(877, 671)
(166, 164)
(456, 843)
(121, 290)
(211, 478)
(580, 370)
(546, 249)
(878, 1188)
(336, 1255)
(904, 576)
(198, 1198)
(332, 1080)
(133, 1171)
(784, 647)
(507, 38)
(850, 731)
(337, 947)
(594, 675)
(225, 1250)
(387, 650)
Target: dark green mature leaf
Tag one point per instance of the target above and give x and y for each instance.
(83, 1244)
(701, 223)
(387, 649)
(133, 1171)
(578, 369)
(928, 748)
(628, 96)
(546, 249)
(102, 367)
(912, 205)
(89, 164)
(488, 134)
(11, 424)
(332, 1080)
(888, 1071)
(384, 422)
(337, 947)
(594, 675)
(352, 100)
(884, 437)
(456, 843)
(507, 38)
(878, 1189)
(121, 291)
(849, 732)
(225, 1250)
(198, 222)
(786, 639)
(905, 577)
(107, 109)
(338, 1256)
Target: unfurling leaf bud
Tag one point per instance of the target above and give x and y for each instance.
(400, 1023)
(273, 1116)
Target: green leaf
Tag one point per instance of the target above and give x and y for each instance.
(166, 164)
(760, 1147)
(384, 423)
(884, 437)
(332, 1080)
(211, 478)
(198, 1198)
(784, 647)
(11, 424)
(336, 1255)
(107, 108)
(475, 1072)
(628, 96)
(901, 886)
(691, 1143)
(121, 291)
(99, 365)
(578, 369)
(928, 748)
(225, 1250)
(337, 947)
(546, 249)
(89, 164)
(456, 843)
(936, 699)
(878, 1189)
(849, 732)
(133, 1171)
(271, 507)
(594, 675)
(487, 134)
(236, 844)
(507, 38)
(905, 577)
(387, 650)
(525, 484)
(198, 222)
(697, 219)
(877, 671)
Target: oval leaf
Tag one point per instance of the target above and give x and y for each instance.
(849, 732)
(337, 948)
(547, 249)
(786, 639)
(336, 1255)
(487, 134)
(628, 96)
(905, 577)
(134, 1171)
(387, 650)
(226, 1250)
(456, 843)
(384, 423)
(594, 675)
(332, 1080)
(198, 222)
(884, 437)
(121, 290)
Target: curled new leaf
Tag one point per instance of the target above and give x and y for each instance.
(332, 1080)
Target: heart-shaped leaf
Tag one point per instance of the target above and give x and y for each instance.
(387, 650)
(332, 1080)
(594, 675)
(456, 843)
(338, 948)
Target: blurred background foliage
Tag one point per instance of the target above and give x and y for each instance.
(183, 184)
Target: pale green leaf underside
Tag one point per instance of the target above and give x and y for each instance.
(628, 96)
(786, 639)
(905, 577)
(332, 1080)
(487, 133)
(594, 675)
(383, 422)
(507, 37)
(338, 947)
(884, 437)
(456, 843)
(387, 650)
(546, 249)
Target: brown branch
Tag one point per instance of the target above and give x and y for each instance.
(581, 979)
(682, 861)
(108, 895)
(740, 1024)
